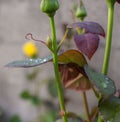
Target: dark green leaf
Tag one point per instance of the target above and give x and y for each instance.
(110, 109)
(29, 62)
(35, 100)
(32, 74)
(49, 117)
(104, 84)
(25, 95)
(15, 118)
(52, 88)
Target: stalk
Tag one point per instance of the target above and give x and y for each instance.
(56, 71)
(105, 67)
(86, 106)
(109, 37)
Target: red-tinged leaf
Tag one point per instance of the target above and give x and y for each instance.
(87, 43)
(118, 1)
(89, 27)
(72, 56)
(74, 77)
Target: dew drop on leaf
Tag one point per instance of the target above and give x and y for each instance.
(104, 85)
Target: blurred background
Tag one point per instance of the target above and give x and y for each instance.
(20, 88)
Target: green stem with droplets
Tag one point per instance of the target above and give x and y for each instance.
(55, 62)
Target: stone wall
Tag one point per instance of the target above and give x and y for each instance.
(19, 17)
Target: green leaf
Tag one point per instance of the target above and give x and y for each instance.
(104, 84)
(15, 118)
(72, 56)
(25, 95)
(48, 117)
(35, 100)
(52, 88)
(32, 74)
(29, 62)
(110, 109)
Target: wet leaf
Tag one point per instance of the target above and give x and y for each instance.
(89, 27)
(29, 62)
(87, 43)
(72, 56)
(110, 109)
(104, 84)
(74, 77)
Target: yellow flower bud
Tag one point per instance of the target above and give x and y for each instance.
(30, 49)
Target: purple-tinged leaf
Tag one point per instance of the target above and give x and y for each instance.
(90, 27)
(72, 56)
(74, 77)
(87, 43)
(118, 1)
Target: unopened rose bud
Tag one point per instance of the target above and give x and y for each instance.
(49, 7)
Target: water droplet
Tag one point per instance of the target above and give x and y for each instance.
(31, 59)
(107, 80)
(44, 60)
(104, 85)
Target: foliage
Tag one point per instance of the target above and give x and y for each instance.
(15, 118)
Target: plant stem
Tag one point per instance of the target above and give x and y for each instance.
(86, 106)
(108, 38)
(108, 41)
(95, 92)
(64, 37)
(56, 71)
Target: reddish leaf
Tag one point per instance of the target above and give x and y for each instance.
(72, 56)
(118, 1)
(90, 27)
(87, 43)
(74, 77)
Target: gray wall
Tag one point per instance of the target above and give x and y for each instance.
(19, 17)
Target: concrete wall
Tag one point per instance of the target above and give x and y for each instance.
(19, 17)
